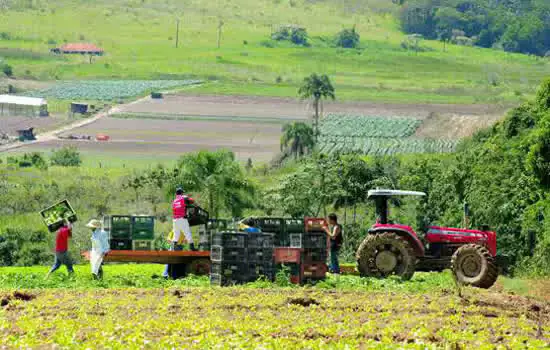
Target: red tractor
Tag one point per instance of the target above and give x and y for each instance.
(395, 249)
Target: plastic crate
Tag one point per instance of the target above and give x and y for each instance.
(275, 225)
(294, 226)
(222, 281)
(260, 255)
(143, 227)
(255, 240)
(230, 239)
(54, 221)
(295, 240)
(142, 245)
(197, 215)
(121, 226)
(314, 240)
(121, 244)
(315, 255)
(262, 271)
(314, 271)
(227, 269)
(315, 224)
(221, 254)
(268, 240)
(287, 255)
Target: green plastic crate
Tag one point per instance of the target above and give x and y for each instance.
(143, 227)
(121, 226)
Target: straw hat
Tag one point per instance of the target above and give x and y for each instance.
(94, 224)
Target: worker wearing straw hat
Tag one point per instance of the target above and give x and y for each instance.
(100, 247)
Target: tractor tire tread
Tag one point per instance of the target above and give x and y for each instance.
(491, 272)
(374, 240)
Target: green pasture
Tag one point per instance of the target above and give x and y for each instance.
(139, 39)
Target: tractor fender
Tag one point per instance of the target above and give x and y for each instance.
(413, 240)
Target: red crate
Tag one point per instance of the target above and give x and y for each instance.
(287, 255)
(314, 271)
(315, 224)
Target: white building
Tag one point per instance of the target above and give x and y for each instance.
(23, 106)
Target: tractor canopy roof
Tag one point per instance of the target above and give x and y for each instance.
(389, 193)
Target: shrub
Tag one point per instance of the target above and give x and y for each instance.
(347, 38)
(22, 248)
(296, 35)
(7, 70)
(66, 156)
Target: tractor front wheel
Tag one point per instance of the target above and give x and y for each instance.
(473, 265)
(385, 254)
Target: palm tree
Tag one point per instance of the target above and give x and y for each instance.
(318, 88)
(218, 177)
(297, 138)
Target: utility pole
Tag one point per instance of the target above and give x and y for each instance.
(177, 31)
(220, 25)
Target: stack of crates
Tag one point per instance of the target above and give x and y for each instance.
(294, 229)
(121, 232)
(229, 259)
(260, 248)
(143, 232)
(130, 232)
(315, 249)
(275, 226)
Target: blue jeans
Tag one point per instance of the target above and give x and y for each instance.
(334, 251)
(62, 258)
(173, 247)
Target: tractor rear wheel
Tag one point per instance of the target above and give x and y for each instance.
(385, 254)
(473, 265)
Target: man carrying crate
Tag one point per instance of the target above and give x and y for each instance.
(181, 225)
(62, 256)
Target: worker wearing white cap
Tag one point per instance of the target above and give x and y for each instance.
(100, 247)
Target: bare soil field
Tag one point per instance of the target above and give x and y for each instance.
(248, 106)
(10, 124)
(258, 141)
(454, 126)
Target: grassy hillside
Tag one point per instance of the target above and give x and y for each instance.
(139, 39)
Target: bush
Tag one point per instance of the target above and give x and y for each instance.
(66, 156)
(293, 34)
(347, 38)
(7, 70)
(21, 248)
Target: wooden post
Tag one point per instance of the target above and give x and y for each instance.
(177, 32)
(220, 25)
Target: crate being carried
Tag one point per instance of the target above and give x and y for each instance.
(196, 215)
(55, 215)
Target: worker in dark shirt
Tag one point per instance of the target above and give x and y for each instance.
(62, 256)
(334, 231)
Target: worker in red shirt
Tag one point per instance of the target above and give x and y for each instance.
(180, 225)
(179, 214)
(62, 256)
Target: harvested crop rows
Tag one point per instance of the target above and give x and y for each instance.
(269, 318)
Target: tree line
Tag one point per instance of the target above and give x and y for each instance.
(511, 25)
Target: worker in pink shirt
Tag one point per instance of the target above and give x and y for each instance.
(180, 224)
(179, 214)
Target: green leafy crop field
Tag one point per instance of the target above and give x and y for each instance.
(139, 39)
(342, 313)
(106, 90)
(376, 136)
